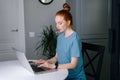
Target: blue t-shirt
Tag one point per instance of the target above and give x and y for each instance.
(68, 47)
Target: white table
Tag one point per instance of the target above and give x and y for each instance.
(12, 70)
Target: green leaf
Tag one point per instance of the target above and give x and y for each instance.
(47, 42)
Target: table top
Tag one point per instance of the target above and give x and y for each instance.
(13, 70)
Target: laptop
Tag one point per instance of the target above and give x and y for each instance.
(29, 65)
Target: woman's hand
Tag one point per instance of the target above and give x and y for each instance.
(41, 61)
(47, 65)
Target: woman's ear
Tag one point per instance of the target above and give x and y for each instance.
(68, 22)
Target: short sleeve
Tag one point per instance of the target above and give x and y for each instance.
(76, 47)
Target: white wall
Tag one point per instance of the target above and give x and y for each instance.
(36, 16)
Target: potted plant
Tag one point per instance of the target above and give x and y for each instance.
(47, 42)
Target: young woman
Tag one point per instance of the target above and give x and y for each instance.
(68, 51)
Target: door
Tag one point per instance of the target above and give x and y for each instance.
(11, 27)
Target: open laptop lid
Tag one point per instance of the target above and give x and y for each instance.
(25, 63)
(23, 60)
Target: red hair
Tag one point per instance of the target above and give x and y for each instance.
(66, 15)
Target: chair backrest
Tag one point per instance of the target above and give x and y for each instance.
(93, 57)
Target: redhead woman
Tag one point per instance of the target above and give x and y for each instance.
(68, 51)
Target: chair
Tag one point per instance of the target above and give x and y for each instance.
(92, 57)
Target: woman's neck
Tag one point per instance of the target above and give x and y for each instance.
(68, 32)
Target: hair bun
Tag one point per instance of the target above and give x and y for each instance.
(66, 7)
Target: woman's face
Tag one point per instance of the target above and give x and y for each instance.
(61, 24)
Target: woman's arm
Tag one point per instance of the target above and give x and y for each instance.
(41, 61)
(70, 65)
(50, 63)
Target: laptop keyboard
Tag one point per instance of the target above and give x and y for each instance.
(35, 67)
